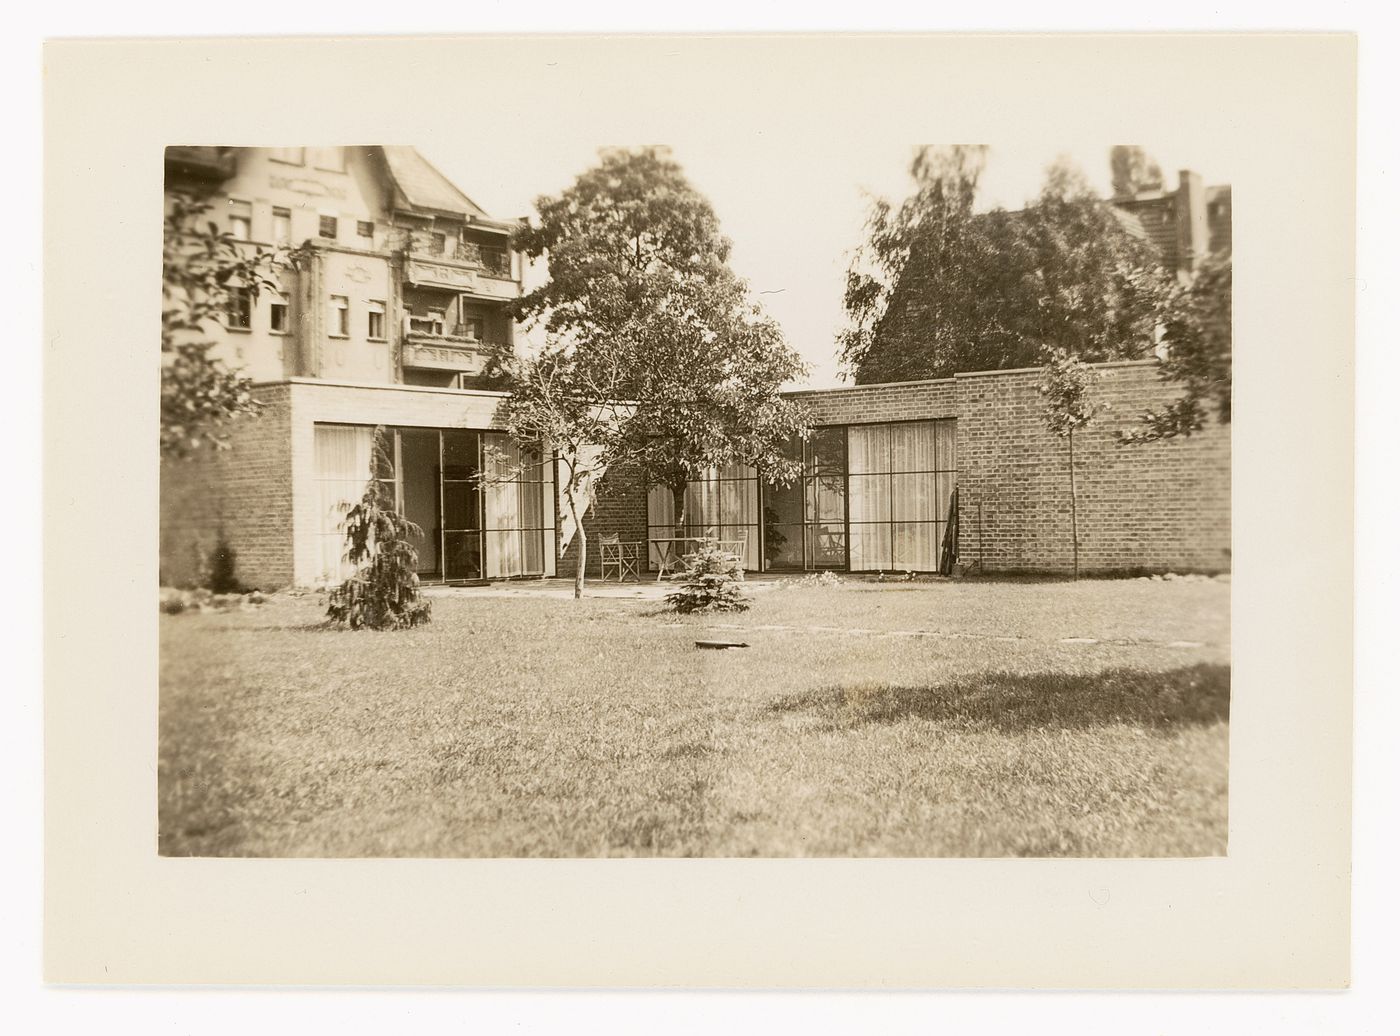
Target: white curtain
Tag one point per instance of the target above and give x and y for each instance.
(868, 499)
(342, 462)
(723, 505)
(515, 513)
(738, 510)
(916, 546)
(913, 446)
(901, 483)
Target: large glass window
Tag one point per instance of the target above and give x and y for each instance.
(804, 523)
(471, 526)
(901, 487)
(343, 455)
(519, 495)
(721, 506)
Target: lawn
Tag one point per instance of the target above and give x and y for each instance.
(971, 718)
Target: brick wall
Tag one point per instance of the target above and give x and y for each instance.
(1156, 507)
(245, 491)
(620, 507)
(896, 401)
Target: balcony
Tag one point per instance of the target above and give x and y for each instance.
(494, 262)
(204, 163)
(431, 349)
(469, 274)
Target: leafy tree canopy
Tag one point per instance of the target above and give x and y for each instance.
(1199, 356)
(641, 306)
(938, 288)
(202, 267)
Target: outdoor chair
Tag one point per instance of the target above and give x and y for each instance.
(615, 556)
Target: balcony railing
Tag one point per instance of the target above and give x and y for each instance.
(495, 261)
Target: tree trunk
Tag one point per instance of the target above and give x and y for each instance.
(582, 540)
(1073, 506)
(678, 509)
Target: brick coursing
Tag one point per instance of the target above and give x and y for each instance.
(620, 507)
(1161, 506)
(245, 492)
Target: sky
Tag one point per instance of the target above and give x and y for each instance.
(795, 208)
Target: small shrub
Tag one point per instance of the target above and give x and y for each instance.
(712, 584)
(223, 564)
(813, 580)
(383, 593)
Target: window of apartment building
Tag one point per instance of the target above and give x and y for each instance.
(329, 159)
(282, 226)
(328, 227)
(375, 326)
(238, 311)
(470, 324)
(289, 155)
(340, 316)
(240, 219)
(364, 228)
(280, 315)
(437, 243)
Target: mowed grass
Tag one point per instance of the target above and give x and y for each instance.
(948, 719)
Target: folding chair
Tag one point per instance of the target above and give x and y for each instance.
(625, 559)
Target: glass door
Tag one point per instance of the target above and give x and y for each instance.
(461, 517)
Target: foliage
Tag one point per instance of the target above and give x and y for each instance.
(1067, 384)
(202, 268)
(936, 288)
(383, 592)
(655, 357)
(712, 583)
(1198, 358)
(1134, 171)
(223, 575)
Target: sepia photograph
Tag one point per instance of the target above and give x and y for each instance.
(711, 512)
(684, 501)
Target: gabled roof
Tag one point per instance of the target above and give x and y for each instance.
(419, 186)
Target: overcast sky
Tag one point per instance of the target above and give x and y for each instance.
(794, 213)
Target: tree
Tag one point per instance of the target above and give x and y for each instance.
(204, 272)
(567, 401)
(1198, 357)
(655, 354)
(1134, 171)
(936, 288)
(1066, 383)
(382, 593)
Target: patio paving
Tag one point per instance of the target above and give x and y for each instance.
(643, 590)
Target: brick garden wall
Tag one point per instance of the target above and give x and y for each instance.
(1156, 507)
(897, 401)
(245, 491)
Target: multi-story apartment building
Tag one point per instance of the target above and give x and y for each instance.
(387, 319)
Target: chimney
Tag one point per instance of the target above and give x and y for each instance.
(1192, 231)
